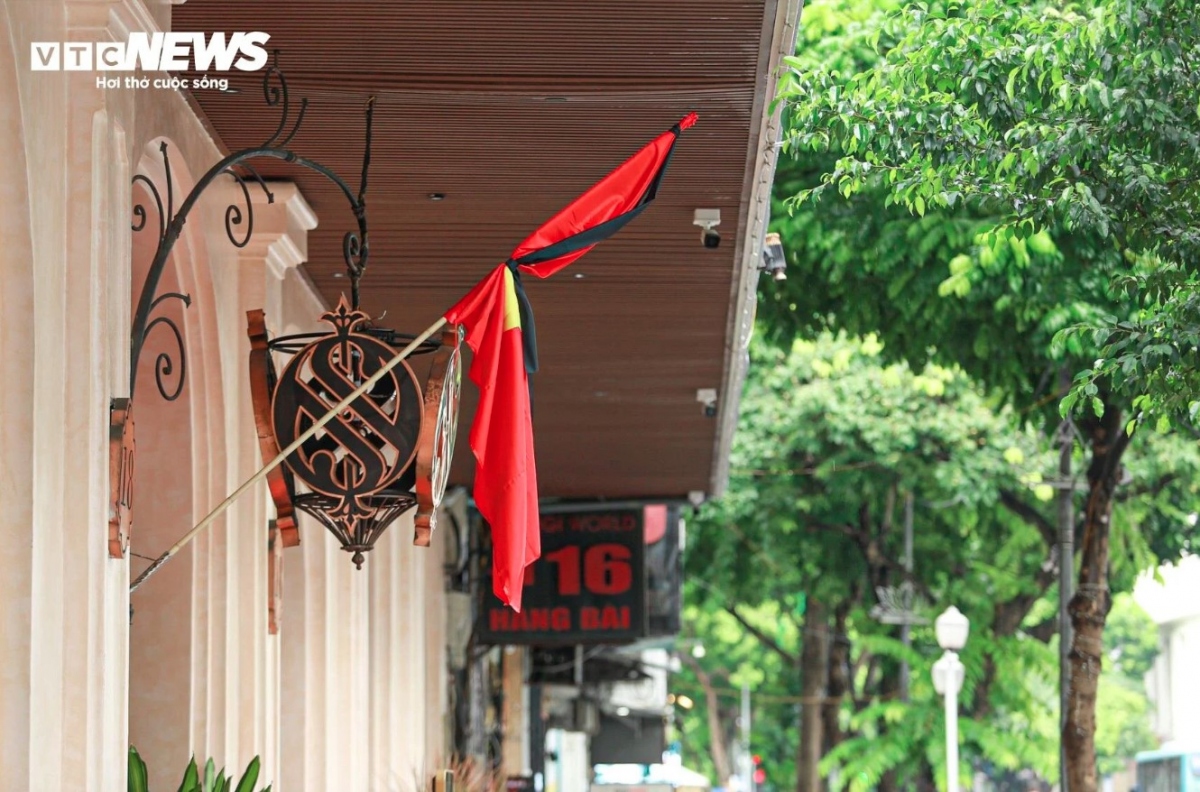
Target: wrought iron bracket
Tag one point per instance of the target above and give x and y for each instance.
(171, 371)
(239, 221)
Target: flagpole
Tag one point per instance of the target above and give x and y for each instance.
(303, 438)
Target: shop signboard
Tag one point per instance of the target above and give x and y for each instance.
(588, 587)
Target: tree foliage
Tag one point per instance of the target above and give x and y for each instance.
(980, 181)
(831, 437)
(732, 657)
(1082, 119)
(953, 282)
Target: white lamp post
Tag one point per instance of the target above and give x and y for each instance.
(952, 628)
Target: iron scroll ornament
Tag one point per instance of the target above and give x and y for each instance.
(171, 367)
(239, 219)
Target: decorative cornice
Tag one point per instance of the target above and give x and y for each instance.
(281, 226)
(130, 16)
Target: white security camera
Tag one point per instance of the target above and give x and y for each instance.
(708, 220)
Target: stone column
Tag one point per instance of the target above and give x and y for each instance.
(397, 664)
(435, 725)
(326, 691)
(515, 749)
(238, 669)
(16, 430)
(63, 602)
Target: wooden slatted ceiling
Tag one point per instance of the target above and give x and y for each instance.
(511, 109)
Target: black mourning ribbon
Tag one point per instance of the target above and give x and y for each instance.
(583, 239)
(528, 328)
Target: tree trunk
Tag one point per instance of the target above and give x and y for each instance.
(1006, 621)
(1089, 607)
(1007, 617)
(925, 780)
(839, 677)
(814, 660)
(879, 571)
(889, 689)
(716, 732)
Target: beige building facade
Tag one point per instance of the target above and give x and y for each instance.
(491, 116)
(350, 692)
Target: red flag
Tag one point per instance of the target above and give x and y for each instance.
(500, 331)
(601, 211)
(502, 435)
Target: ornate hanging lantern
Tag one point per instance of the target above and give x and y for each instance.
(361, 471)
(390, 450)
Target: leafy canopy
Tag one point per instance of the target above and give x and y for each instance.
(830, 434)
(1081, 121)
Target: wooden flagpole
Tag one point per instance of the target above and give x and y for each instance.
(260, 475)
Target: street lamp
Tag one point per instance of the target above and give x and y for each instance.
(952, 628)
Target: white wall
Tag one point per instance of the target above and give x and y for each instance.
(1173, 684)
(571, 771)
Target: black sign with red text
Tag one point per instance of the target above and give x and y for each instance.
(589, 586)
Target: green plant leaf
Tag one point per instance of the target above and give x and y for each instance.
(138, 781)
(249, 778)
(191, 778)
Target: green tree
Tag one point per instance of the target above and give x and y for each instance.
(974, 175)
(1081, 118)
(712, 683)
(830, 440)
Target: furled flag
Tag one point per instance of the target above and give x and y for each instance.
(500, 331)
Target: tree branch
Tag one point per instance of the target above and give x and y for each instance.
(849, 531)
(765, 639)
(1044, 630)
(1151, 489)
(1013, 502)
(716, 730)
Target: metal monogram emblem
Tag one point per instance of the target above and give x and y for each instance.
(436, 446)
(366, 447)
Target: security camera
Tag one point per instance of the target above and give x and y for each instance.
(774, 262)
(708, 220)
(708, 398)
